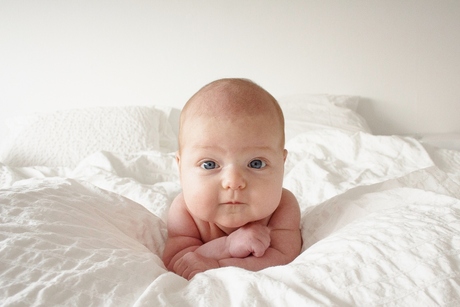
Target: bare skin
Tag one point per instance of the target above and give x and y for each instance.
(233, 210)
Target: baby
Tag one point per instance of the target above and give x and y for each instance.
(233, 210)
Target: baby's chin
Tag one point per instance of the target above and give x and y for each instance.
(230, 226)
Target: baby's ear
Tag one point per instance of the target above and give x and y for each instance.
(178, 158)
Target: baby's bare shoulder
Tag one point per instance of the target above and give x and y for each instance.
(287, 215)
(182, 223)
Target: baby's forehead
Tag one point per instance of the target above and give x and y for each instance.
(231, 110)
(232, 101)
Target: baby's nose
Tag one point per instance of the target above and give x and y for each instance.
(233, 179)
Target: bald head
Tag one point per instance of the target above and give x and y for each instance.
(231, 99)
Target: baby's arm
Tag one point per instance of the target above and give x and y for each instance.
(183, 234)
(250, 239)
(253, 238)
(285, 237)
(285, 243)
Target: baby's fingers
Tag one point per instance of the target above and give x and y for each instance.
(192, 263)
(259, 247)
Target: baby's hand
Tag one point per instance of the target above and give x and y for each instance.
(192, 263)
(250, 239)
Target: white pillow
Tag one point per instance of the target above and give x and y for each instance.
(442, 140)
(312, 112)
(65, 137)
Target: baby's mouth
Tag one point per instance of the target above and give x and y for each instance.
(233, 202)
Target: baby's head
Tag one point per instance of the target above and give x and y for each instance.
(231, 153)
(232, 99)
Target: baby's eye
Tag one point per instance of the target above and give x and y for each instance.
(209, 165)
(257, 164)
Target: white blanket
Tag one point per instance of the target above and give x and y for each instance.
(380, 226)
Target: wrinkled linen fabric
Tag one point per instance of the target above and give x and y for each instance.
(380, 226)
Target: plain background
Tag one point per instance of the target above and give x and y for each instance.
(401, 56)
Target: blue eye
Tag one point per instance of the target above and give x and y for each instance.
(209, 165)
(258, 164)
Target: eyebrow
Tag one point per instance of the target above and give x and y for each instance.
(256, 148)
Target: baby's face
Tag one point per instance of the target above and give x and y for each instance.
(232, 169)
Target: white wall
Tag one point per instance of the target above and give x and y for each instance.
(401, 56)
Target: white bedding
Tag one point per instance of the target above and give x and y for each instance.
(380, 226)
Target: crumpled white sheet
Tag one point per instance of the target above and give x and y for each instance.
(325, 163)
(380, 224)
(70, 243)
(149, 178)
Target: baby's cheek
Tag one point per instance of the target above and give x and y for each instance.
(201, 205)
(271, 199)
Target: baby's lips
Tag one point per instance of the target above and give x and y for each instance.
(233, 202)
